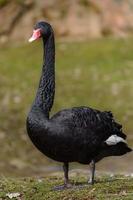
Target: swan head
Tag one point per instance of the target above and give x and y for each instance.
(41, 29)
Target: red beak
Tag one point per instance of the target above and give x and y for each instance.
(36, 35)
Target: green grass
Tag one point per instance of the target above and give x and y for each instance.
(114, 188)
(92, 73)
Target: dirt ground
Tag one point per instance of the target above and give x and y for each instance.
(78, 19)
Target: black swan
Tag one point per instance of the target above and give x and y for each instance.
(79, 134)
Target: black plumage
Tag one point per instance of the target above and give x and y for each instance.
(72, 135)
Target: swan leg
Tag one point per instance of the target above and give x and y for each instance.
(66, 180)
(66, 169)
(92, 169)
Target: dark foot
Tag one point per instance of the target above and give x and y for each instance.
(69, 186)
(63, 187)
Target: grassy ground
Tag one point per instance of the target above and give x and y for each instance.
(92, 73)
(106, 188)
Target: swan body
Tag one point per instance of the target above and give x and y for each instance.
(79, 134)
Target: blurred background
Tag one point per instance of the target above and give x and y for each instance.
(94, 67)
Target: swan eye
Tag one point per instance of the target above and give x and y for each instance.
(36, 35)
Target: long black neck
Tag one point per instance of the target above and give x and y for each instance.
(46, 90)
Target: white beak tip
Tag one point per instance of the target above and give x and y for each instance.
(31, 39)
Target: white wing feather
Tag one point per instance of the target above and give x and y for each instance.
(114, 139)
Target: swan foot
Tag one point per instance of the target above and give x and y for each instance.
(63, 187)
